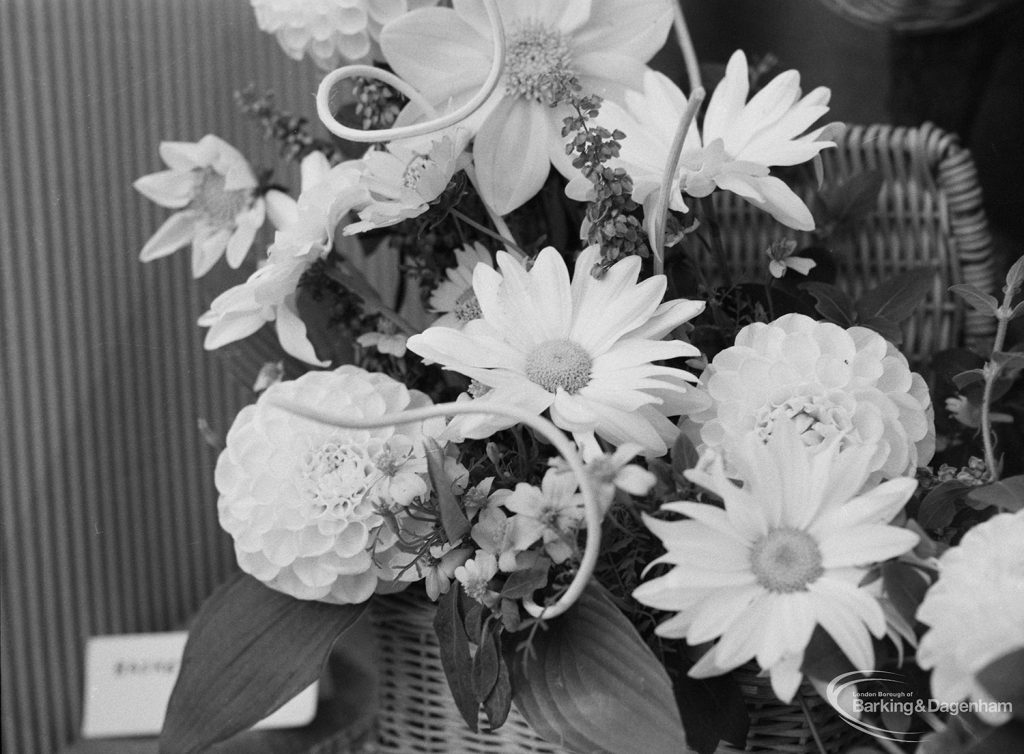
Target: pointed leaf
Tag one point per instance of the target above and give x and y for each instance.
(453, 519)
(971, 376)
(905, 586)
(940, 505)
(591, 683)
(850, 200)
(832, 303)
(1007, 495)
(531, 576)
(978, 299)
(713, 710)
(1015, 277)
(1010, 363)
(250, 650)
(485, 664)
(895, 299)
(455, 656)
(499, 701)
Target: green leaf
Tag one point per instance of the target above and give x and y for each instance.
(1015, 277)
(1003, 679)
(1017, 310)
(851, 200)
(940, 505)
(531, 576)
(896, 298)
(823, 659)
(453, 518)
(905, 586)
(250, 650)
(352, 279)
(832, 303)
(591, 683)
(713, 710)
(965, 379)
(1007, 495)
(455, 657)
(485, 663)
(977, 298)
(684, 456)
(1010, 363)
(499, 701)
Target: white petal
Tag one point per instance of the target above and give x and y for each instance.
(168, 188)
(248, 224)
(608, 30)
(511, 153)
(177, 231)
(728, 99)
(282, 210)
(291, 332)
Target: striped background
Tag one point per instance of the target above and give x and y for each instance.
(106, 496)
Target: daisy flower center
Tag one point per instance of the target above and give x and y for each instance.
(414, 171)
(559, 364)
(816, 419)
(219, 206)
(786, 560)
(336, 478)
(467, 307)
(535, 58)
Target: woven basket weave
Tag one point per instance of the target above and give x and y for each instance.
(915, 15)
(929, 213)
(417, 714)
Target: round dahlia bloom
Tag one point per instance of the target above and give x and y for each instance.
(976, 608)
(788, 552)
(330, 31)
(307, 503)
(826, 381)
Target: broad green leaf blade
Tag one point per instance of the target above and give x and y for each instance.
(592, 685)
(1003, 679)
(455, 656)
(832, 303)
(453, 519)
(977, 298)
(250, 649)
(940, 505)
(895, 299)
(1007, 495)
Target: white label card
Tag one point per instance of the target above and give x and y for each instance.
(128, 682)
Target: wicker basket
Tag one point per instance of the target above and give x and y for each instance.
(929, 212)
(915, 16)
(417, 714)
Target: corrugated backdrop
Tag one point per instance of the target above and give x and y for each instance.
(106, 495)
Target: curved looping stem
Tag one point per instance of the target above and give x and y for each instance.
(542, 426)
(436, 122)
(660, 218)
(686, 46)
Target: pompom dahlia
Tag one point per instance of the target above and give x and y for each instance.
(824, 380)
(453, 298)
(213, 189)
(330, 31)
(305, 502)
(446, 54)
(787, 553)
(976, 609)
(585, 350)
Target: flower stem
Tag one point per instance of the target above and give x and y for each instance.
(660, 219)
(991, 374)
(686, 46)
(715, 232)
(512, 245)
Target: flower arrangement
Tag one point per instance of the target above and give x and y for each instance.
(519, 375)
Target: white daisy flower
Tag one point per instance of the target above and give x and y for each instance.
(306, 234)
(475, 576)
(402, 181)
(734, 149)
(453, 298)
(213, 188)
(585, 350)
(445, 53)
(787, 553)
(552, 513)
